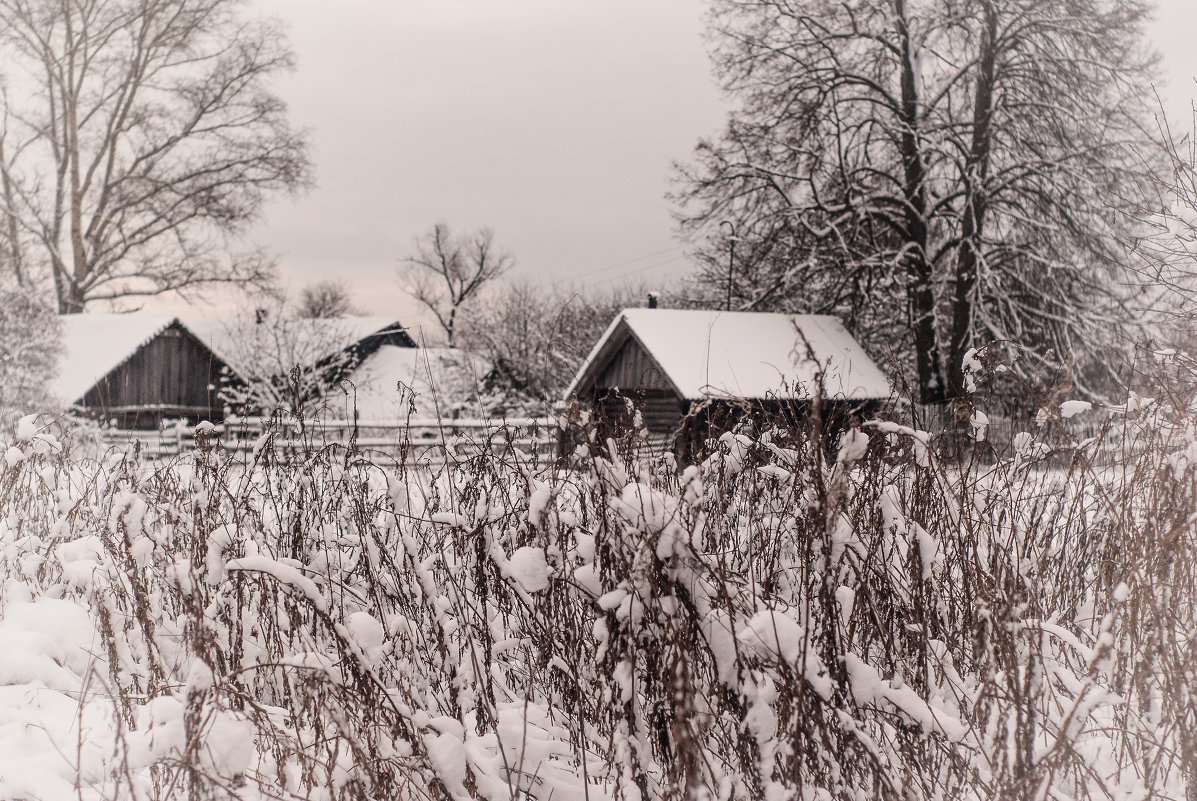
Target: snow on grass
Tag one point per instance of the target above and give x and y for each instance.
(786, 619)
(528, 566)
(1072, 408)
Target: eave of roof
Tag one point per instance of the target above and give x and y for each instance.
(94, 346)
(620, 332)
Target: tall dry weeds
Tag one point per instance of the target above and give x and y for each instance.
(789, 618)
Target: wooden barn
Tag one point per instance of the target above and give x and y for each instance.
(137, 370)
(692, 374)
(361, 339)
(347, 341)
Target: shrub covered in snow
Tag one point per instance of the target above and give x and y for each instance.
(30, 346)
(787, 619)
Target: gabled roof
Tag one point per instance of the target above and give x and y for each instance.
(714, 354)
(329, 335)
(96, 344)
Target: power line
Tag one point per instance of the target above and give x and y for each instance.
(609, 279)
(610, 267)
(686, 242)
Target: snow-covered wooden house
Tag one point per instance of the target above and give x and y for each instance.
(254, 346)
(262, 353)
(137, 369)
(697, 372)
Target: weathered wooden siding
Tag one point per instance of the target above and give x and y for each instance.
(632, 369)
(173, 375)
(633, 374)
(660, 410)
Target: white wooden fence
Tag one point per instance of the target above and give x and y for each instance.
(424, 441)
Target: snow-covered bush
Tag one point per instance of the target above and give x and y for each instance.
(30, 346)
(278, 362)
(789, 618)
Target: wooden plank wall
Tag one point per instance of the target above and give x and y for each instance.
(633, 373)
(171, 376)
(631, 368)
(661, 411)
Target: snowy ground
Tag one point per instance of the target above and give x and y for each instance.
(51, 738)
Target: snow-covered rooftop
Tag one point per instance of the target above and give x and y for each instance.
(711, 354)
(96, 344)
(225, 336)
(439, 377)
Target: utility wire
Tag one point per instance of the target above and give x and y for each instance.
(689, 240)
(628, 273)
(610, 267)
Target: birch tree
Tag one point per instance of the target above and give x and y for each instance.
(942, 173)
(139, 137)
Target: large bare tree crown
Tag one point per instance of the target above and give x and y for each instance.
(940, 174)
(137, 138)
(324, 300)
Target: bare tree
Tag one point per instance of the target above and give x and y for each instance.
(940, 174)
(449, 270)
(1168, 296)
(324, 300)
(536, 338)
(138, 137)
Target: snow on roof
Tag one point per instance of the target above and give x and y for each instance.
(707, 354)
(439, 377)
(96, 344)
(330, 335)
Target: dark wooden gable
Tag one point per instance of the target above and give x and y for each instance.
(394, 334)
(627, 371)
(174, 375)
(338, 366)
(632, 367)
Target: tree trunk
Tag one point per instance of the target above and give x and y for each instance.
(70, 298)
(976, 173)
(920, 291)
(11, 232)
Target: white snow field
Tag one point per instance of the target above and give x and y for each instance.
(790, 619)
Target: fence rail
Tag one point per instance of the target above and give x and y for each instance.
(437, 442)
(426, 441)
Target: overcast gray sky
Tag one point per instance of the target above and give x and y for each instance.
(552, 121)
